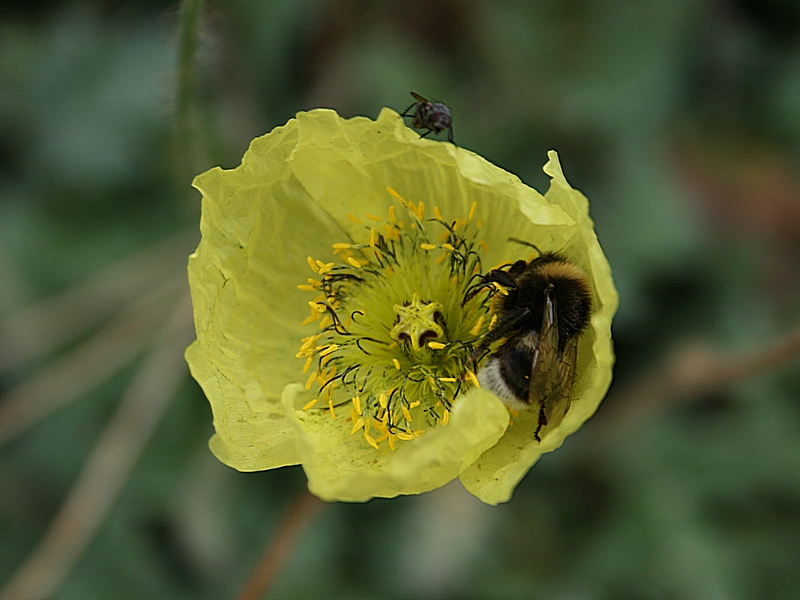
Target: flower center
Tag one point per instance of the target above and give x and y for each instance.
(396, 326)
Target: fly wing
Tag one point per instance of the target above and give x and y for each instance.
(418, 98)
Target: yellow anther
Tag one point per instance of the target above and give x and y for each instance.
(371, 441)
(372, 237)
(393, 192)
(472, 210)
(414, 404)
(313, 265)
(392, 217)
(359, 424)
(448, 247)
(330, 348)
(421, 210)
(484, 246)
(373, 218)
(391, 437)
(307, 365)
(354, 262)
(311, 379)
(436, 345)
(305, 287)
(437, 213)
(310, 404)
(477, 327)
(407, 414)
(354, 219)
(382, 400)
(428, 246)
(330, 408)
(448, 379)
(341, 246)
(471, 376)
(493, 322)
(445, 417)
(396, 363)
(324, 267)
(317, 307)
(402, 435)
(357, 404)
(326, 322)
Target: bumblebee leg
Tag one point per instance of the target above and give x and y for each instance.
(542, 422)
(450, 135)
(426, 133)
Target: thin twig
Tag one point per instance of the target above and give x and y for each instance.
(109, 465)
(88, 365)
(299, 514)
(695, 370)
(41, 328)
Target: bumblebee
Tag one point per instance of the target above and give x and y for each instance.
(433, 116)
(547, 306)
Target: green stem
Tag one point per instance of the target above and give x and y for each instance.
(187, 50)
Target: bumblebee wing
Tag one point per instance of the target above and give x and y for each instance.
(418, 98)
(544, 370)
(561, 397)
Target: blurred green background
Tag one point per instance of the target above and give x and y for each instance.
(679, 119)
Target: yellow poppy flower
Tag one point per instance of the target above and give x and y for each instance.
(334, 325)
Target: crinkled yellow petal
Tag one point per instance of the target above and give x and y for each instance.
(496, 473)
(340, 466)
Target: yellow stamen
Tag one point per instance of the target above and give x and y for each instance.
(477, 327)
(493, 321)
(414, 404)
(329, 349)
(307, 365)
(402, 435)
(310, 404)
(436, 345)
(484, 246)
(445, 417)
(471, 376)
(307, 288)
(311, 379)
(313, 265)
(421, 210)
(357, 404)
(382, 400)
(448, 379)
(448, 247)
(341, 246)
(354, 262)
(396, 363)
(373, 218)
(391, 437)
(372, 237)
(392, 217)
(371, 441)
(354, 219)
(359, 424)
(472, 210)
(437, 213)
(330, 408)
(407, 414)
(427, 246)
(441, 259)
(324, 267)
(393, 193)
